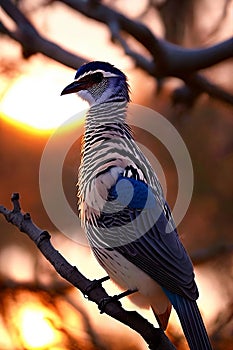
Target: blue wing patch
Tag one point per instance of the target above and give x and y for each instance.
(134, 194)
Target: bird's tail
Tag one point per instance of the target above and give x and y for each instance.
(191, 322)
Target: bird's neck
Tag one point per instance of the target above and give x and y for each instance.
(106, 121)
(106, 113)
(104, 129)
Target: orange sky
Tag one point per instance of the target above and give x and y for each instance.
(31, 95)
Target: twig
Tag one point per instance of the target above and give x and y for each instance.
(164, 59)
(167, 59)
(171, 59)
(32, 42)
(199, 83)
(155, 337)
(141, 61)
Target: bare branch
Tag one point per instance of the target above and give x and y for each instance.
(164, 59)
(170, 59)
(178, 61)
(167, 59)
(155, 337)
(199, 83)
(139, 59)
(195, 85)
(32, 42)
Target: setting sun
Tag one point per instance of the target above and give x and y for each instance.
(37, 330)
(34, 101)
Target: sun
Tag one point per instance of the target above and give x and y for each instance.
(34, 101)
(36, 329)
(37, 326)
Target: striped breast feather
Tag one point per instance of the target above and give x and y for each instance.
(107, 146)
(96, 182)
(144, 234)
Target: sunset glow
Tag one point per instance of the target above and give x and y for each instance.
(34, 102)
(37, 331)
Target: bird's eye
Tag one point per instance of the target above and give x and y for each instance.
(97, 77)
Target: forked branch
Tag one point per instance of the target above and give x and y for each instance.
(155, 337)
(163, 59)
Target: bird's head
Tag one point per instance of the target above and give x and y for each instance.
(98, 82)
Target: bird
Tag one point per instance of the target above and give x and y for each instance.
(123, 210)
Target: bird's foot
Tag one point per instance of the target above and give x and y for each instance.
(94, 284)
(114, 298)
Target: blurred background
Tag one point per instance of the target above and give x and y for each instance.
(38, 309)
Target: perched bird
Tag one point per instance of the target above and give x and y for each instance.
(122, 207)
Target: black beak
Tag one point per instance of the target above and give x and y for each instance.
(73, 87)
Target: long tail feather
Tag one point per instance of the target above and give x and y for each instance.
(191, 322)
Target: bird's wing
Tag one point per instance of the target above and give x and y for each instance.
(134, 223)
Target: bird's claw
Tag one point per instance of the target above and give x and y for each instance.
(115, 298)
(103, 302)
(94, 284)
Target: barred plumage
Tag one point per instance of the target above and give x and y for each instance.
(123, 211)
(108, 141)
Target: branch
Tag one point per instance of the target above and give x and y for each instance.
(167, 59)
(155, 337)
(170, 59)
(195, 85)
(139, 59)
(164, 59)
(200, 83)
(32, 42)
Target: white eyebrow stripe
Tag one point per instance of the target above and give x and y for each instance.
(105, 74)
